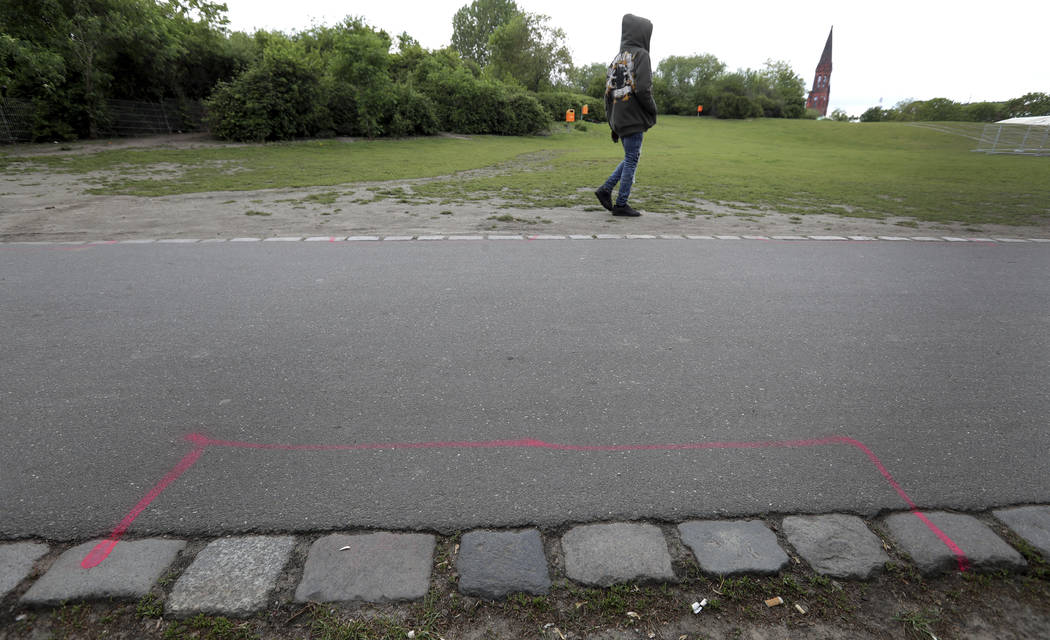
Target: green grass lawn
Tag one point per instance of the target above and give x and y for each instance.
(793, 166)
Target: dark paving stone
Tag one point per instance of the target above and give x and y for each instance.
(495, 564)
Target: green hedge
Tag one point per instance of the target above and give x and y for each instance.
(556, 103)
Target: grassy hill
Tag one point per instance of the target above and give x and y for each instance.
(688, 165)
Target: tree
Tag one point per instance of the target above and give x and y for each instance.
(938, 109)
(838, 115)
(683, 82)
(874, 114)
(1030, 104)
(786, 89)
(588, 80)
(528, 51)
(474, 24)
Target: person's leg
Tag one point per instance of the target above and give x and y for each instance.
(632, 150)
(604, 192)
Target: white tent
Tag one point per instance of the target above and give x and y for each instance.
(1033, 120)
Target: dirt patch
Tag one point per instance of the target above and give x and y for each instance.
(54, 206)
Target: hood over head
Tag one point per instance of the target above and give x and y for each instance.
(636, 32)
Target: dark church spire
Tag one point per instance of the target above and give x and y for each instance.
(821, 91)
(825, 58)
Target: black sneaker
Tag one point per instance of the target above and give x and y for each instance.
(605, 197)
(625, 210)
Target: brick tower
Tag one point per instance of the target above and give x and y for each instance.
(818, 96)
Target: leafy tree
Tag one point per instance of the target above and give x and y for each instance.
(785, 88)
(984, 111)
(1030, 104)
(938, 109)
(528, 51)
(474, 24)
(277, 98)
(838, 115)
(589, 80)
(874, 114)
(682, 83)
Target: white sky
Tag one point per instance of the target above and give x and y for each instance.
(883, 52)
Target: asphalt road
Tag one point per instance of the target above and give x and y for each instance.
(935, 356)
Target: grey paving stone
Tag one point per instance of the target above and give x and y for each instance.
(16, 561)
(984, 550)
(1031, 523)
(128, 572)
(378, 567)
(604, 554)
(495, 564)
(836, 545)
(727, 548)
(231, 576)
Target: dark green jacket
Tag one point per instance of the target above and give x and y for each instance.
(638, 112)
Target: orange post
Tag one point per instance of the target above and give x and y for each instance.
(570, 115)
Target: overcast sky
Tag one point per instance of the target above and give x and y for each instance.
(884, 52)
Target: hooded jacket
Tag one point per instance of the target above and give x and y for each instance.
(638, 112)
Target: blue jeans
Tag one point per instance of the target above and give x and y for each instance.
(624, 174)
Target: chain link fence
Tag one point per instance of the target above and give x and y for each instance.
(124, 118)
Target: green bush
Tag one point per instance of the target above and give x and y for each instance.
(277, 98)
(410, 114)
(730, 105)
(464, 103)
(556, 103)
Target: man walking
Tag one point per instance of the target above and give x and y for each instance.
(630, 108)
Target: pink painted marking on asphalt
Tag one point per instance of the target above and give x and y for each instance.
(102, 550)
(201, 442)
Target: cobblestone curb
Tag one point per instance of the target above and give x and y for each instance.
(239, 575)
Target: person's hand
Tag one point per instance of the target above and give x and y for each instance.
(615, 138)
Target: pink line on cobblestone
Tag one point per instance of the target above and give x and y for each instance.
(201, 442)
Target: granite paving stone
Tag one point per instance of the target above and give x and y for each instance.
(1031, 523)
(231, 576)
(605, 554)
(728, 548)
(128, 572)
(377, 567)
(16, 561)
(495, 564)
(984, 550)
(836, 545)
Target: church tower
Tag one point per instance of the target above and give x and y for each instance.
(818, 96)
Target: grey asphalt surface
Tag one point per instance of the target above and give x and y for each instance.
(936, 356)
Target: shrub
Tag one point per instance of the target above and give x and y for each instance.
(411, 114)
(277, 98)
(556, 103)
(730, 105)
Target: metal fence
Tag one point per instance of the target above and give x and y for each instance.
(123, 118)
(1024, 139)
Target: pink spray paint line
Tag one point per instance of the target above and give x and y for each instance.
(201, 442)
